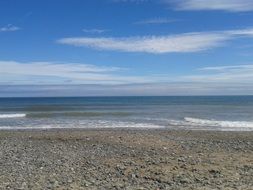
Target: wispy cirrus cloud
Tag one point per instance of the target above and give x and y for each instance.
(232, 74)
(244, 32)
(94, 31)
(72, 79)
(130, 1)
(240, 68)
(222, 80)
(13, 72)
(180, 43)
(191, 42)
(91, 74)
(9, 28)
(205, 5)
(157, 21)
(222, 5)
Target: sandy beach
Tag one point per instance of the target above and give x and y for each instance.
(126, 159)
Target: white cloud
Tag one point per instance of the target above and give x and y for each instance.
(13, 72)
(94, 31)
(233, 75)
(240, 68)
(186, 42)
(129, 1)
(157, 21)
(223, 5)
(191, 42)
(48, 67)
(208, 5)
(245, 32)
(49, 78)
(9, 28)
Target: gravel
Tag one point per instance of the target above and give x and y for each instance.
(126, 159)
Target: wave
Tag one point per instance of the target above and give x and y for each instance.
(203, 123)
(2, 116)
(98, 124)
(217, 123)
(76, 114)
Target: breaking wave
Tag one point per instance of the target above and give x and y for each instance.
(2, 116)
(88, 124)
(213, 124)
(219, 123)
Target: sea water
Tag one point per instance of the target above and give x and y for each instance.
(225, 113)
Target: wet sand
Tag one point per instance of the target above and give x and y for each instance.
(126, 159)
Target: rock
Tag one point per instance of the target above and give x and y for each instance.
(185, 180)
(134, 176)
(181, 159)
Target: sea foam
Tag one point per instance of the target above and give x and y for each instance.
(210, 124)
(2, 116)
(88, 124)
(217, 123)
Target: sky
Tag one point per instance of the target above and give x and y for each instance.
(126, 47)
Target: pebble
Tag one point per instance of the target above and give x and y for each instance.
(125, 162)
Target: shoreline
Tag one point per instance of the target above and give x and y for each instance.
(26, 129)
(126, 159)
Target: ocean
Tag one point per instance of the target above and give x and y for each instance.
(222, 113)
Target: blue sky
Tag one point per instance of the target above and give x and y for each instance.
(126, 47)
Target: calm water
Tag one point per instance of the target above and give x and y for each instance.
(208, 113)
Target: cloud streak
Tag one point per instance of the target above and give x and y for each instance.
(72, 79)
(181, 43)
(192, 42)
(241, 68)
(13, 72)
(156, 21)
(94, 31)
(129, 1)
(9, 28)
(233, 75)
(203, 5)
(222, 5)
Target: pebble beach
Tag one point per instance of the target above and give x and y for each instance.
(126, 159)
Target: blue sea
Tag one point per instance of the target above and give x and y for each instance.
(222, 113)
